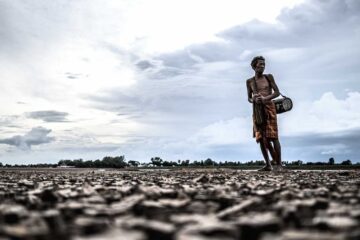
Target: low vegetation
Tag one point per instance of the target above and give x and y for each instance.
(120, 162)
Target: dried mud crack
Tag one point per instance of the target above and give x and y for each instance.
(179, 204)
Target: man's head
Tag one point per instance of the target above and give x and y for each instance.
(258, 64)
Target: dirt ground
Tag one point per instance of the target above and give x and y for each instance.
(182, 204)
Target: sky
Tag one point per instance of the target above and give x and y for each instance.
(94, 78)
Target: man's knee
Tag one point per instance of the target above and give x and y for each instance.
(276, 141)
(266, 142)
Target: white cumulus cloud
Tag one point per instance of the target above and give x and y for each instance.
(325, 115)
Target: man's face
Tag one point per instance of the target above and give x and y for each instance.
(260, 66)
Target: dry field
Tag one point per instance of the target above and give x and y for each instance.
(180, 205)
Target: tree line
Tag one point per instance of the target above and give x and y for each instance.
(120, 162)
(330, 162)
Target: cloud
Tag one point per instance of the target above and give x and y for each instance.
(321, 146)
(329, 126)
(229, 132)
(76, 56)
(96, 148)
(144, 64)
(300, 26)
(48, 116)
(35, 136)
(325, 115)
(308, 46)
(8, 120)
(161, 105)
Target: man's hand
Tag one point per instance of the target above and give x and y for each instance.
(255, 98)
(260, 99)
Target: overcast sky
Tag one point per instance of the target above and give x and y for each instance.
(88, 78)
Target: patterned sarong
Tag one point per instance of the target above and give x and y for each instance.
(268, 128)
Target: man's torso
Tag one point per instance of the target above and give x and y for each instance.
(263, 86)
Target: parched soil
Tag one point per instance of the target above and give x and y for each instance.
(180, 205)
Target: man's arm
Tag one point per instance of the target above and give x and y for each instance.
(273, 85)
(249, 91)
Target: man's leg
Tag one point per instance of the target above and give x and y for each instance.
(277, 148)
(272, 153)
(264, 143)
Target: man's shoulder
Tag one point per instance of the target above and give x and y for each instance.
(249, 80)
(270, 76)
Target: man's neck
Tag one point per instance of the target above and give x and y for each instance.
(258, 74)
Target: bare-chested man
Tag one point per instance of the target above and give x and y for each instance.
(261, 89)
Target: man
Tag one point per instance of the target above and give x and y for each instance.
(261, 89)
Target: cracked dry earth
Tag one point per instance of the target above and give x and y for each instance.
(180, 204)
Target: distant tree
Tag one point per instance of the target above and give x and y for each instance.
(346, 162)
(78, 163)
(1, 165)
(331, 161)
(133, 163)
(119, 162)
(255, 163)
(208, 162)
(106, 162)
(251, 162)
(157, 161)
(66, 163)
(196, 163)
(185, 163)
(259, 162)
(89, 164)
(113, 162)
(170, 163)
(320, 163)
(297, 163)
(97, 163)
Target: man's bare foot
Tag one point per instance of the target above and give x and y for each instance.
(273, 162)
(279, 168)
(267, 168)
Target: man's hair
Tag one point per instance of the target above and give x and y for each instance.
(255, 59)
